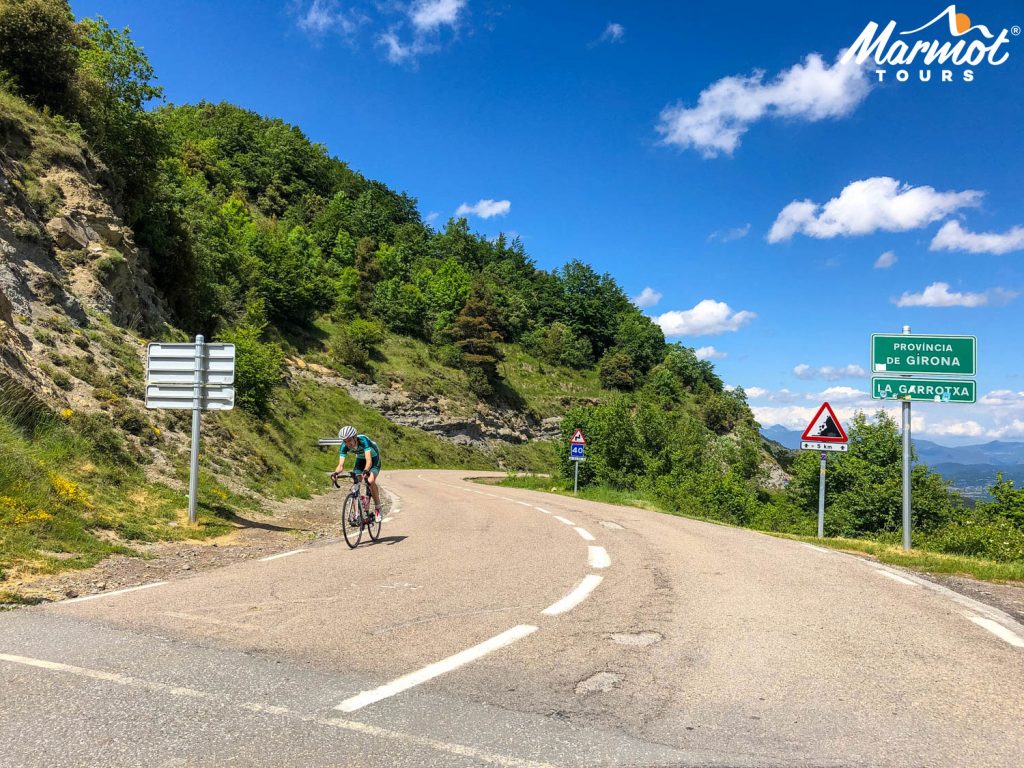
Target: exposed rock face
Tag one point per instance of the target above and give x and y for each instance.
(82, 253)
(433, 414)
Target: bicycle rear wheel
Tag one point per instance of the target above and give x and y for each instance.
(353, 531)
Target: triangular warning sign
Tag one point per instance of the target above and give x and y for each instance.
(825, 427)
(577, 437)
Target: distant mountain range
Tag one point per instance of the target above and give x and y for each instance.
(971, 468)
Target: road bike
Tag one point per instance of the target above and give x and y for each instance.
(356, 513)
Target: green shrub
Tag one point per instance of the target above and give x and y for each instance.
(258, 367)
(997, 539)
(38, 49)
(108, 265)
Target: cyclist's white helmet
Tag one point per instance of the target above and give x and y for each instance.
(346, 432)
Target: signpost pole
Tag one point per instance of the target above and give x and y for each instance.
(906, 465)
(575, 476)
(821, 496)
(197, 404)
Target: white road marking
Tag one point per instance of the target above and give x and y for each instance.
(998, 630)
(115, 592)
(441, 746)
(816, 549)
(109, 677)
(459, 750)
(541, 509)
(436, 669)
(574, 598)
(610, 525)
(563, 520)
(525, 504)
(283, 554)
(585, 534)
(897, 577)
(597, 557)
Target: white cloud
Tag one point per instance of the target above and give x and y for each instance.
(886, 260)
(430, 217)
(1002, 398)
(939, 295)
(728, 235)
(957, 429)
(828, 372)
(840, 394)
(810, 90)
(1014, 428)
(398, 51)
(485, 209)
(953, 237)
(709, 353)
(428, 15)
(648, 297)
(324, 16)
(707, 318)
(613, 33)
(870, 205)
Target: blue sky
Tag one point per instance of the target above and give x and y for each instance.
(665, 143)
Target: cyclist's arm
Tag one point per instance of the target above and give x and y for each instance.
(369, 458)
(341, 464)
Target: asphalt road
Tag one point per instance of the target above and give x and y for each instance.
(495, 626)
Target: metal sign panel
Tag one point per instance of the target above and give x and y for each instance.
(175, 364)
(825, 427)
(159, 350)
(214, 398)
(576, 451)
(925, 355)
(577, 438)
(928, 390)
(818, 445)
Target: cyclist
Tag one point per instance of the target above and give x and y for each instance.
(367, 454)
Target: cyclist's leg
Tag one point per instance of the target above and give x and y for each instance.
(371, 480)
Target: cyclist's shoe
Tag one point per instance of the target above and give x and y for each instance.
(376, 515)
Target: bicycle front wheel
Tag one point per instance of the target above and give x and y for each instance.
(351, 521)
(373, 526)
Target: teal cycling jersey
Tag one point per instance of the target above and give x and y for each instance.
(363, 444)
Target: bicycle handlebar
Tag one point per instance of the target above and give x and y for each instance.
(353, 474)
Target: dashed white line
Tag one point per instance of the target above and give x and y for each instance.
(563, 520)
(115, 592)
(525, 504)
(541, 509)
(460, 750)
(283, 554)
(574, 598)
(897, 577)
(585, 534)
(437, 668)
(597, 557)
(998, 630)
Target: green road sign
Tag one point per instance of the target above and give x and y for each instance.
(932, 390)
(926, 355)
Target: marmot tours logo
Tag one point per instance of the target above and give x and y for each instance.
(958, 43)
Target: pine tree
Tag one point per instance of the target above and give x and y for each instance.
(476, 338)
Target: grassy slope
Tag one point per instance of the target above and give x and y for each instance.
(917, 559)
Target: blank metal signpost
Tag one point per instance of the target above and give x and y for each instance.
(196, 377)
(197, 407)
